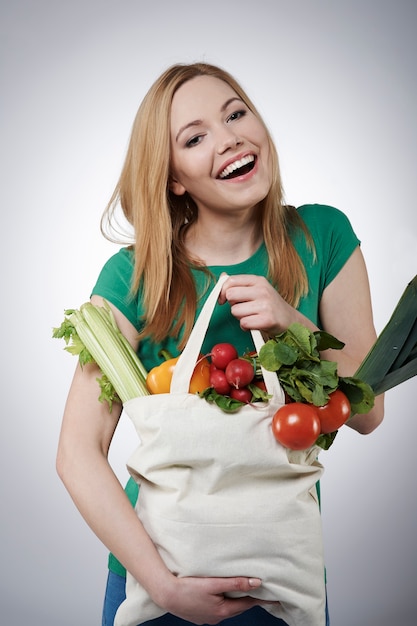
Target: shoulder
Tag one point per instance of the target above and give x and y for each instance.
(319, 214)
(118, 270)
(333, 237)
(123, 260)
(327, 224)
(114, 283)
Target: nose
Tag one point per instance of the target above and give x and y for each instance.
(227, 140)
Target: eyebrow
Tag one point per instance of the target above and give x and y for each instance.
(198, 122)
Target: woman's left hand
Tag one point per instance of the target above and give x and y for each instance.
(256, 304)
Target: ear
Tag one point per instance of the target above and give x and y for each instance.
(176, 187)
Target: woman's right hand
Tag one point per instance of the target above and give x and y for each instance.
(204, 600)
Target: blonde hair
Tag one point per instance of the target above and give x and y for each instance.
(160, 218)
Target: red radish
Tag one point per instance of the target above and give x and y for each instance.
(260, 384)
(222, 353)
(243, 394)
(219, 382)
(239, 372)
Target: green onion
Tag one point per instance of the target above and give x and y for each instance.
(393, 357)
(92, 333)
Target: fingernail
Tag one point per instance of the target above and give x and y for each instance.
(255, 582)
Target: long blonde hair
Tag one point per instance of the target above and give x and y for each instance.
(160, 218)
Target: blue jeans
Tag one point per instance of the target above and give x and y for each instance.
(115, 594)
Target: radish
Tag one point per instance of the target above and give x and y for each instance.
(222, 353)
(219, 382)
(243, 394)
(239, 372)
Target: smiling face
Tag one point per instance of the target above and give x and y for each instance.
(219, 148)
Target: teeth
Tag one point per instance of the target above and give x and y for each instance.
(236, 165)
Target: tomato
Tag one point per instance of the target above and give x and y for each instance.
(222, 353)
(219, 382)
(296, 425)
(243, 394)
(335, 413)
(239, 372)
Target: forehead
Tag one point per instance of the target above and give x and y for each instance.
(199, 97)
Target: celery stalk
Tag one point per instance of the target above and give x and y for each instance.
(92, 333)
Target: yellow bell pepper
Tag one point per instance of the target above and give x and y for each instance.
(159, 378)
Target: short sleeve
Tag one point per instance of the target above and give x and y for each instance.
(114, 284)
(334, 241)
(333, 236)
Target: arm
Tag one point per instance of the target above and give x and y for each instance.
(86, 434)
(345, 312)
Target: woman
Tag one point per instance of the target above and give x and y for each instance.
(202, 189)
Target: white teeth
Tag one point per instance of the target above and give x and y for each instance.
(236, 165)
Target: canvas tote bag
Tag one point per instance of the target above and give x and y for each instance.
(219, 496)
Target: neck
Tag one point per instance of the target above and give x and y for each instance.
(224, 243)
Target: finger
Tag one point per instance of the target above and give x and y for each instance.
(240, 293)
(245, 308)
(235, 606)
(241, 280)
(237, 583)
(222, 296)
(247, 288)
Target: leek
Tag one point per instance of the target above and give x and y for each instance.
(91, 333)
(393, 357)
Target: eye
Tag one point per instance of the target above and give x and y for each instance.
(194, 141)
(236, 115)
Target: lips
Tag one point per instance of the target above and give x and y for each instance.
(237, 167)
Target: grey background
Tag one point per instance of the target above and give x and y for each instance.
(336, 83)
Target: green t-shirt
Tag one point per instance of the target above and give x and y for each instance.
(334, 241)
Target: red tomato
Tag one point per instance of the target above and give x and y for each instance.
(335, 413)
(222, 353)
(243, 394)
(239, 372)
(296, 425)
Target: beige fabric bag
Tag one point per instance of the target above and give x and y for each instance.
(220, 497)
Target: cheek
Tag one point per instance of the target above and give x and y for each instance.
(253, 125)
(265, 143)
(267, 157)
(191, 166)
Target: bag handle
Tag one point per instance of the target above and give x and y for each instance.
(184, 367)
